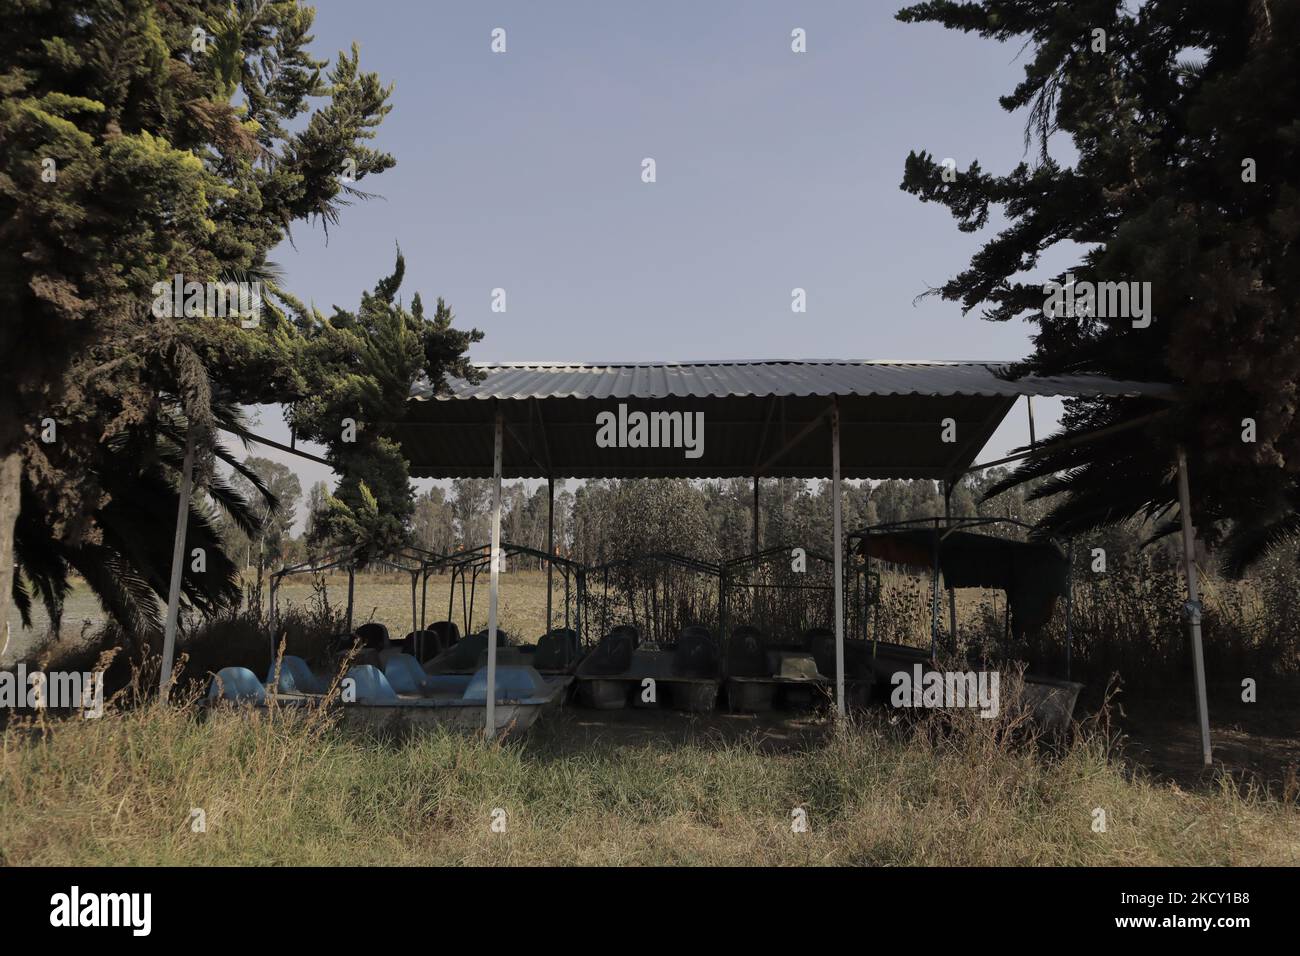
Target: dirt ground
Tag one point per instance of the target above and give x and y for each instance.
(575, 729)
(1254, 743)
(1254, 748)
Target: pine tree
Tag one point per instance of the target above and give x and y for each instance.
(1185, 116)
(144, 141)
(363, 365)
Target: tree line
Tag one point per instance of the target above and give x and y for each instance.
(596, 521)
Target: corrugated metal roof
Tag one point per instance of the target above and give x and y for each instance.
(517, 381)
(757, 417)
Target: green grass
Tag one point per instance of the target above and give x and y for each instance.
(289, 790)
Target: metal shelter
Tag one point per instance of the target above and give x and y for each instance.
(831, 419)
(826, 419)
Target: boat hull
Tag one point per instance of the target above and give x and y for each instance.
(759, 694)
(403, 717)
(1051, 702)
(601, 694)
(694, 696)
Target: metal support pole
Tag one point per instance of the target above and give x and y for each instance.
(178, 559)
(415, 617)
(1029, 404)
(451, 596)
(755, 522)
(352, 582)
(934, 595)
(550, 552)
(494, 582)
(580, 598)
(270, 613)
(952, 593)
(473, 593)
(838, 533)
(424, 597)
(1069, 610)
(1194, 604)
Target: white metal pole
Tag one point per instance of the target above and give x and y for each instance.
(178, 559)
(838, 532)
(1194, 604)
(550, 550)
(952, 594)
(352, 581)
(493, 582)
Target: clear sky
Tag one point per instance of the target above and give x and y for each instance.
(775, 170)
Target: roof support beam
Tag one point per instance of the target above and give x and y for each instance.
(1022, 453)
(249, 436)
(546, 445)
(977, 439)
(804, 432)
(525, 447)
(767, 424)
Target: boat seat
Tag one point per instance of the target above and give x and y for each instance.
(696, 654)
(373, 635)
(426, 644)
(447, 631)
(557, 650)
(295, 677)
(372, 686)
(745, 653)
(512, 683)
(464, 655)
(237, 685)
(629, 630)
(820, 643)
(613, 654)
(405, 674)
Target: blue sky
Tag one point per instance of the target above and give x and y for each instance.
(522, 170)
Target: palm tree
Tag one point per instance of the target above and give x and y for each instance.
(127, 564)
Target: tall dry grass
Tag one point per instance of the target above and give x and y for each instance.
(1128, 621)
(280, 788)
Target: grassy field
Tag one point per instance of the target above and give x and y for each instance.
(279, 790)
(636, 787)
(387, 598)
(380, 597)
